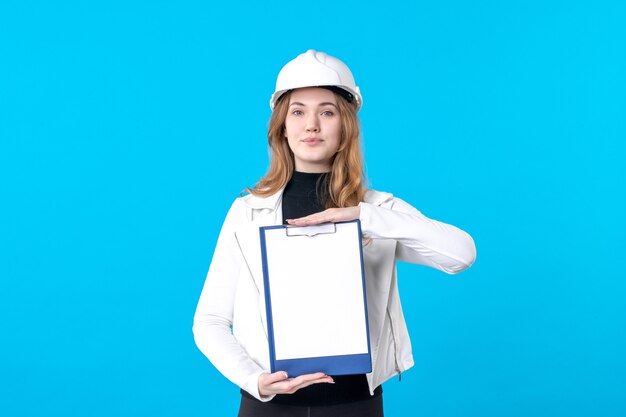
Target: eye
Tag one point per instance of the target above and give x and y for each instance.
(297, 113)
(328, 113)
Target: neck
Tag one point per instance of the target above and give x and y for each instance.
(312, 168)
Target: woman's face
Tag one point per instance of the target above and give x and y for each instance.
(313, 128)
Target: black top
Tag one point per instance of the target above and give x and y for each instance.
(304, 195)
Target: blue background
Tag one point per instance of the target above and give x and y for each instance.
(127, 129)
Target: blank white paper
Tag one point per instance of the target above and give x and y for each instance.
(317, 296)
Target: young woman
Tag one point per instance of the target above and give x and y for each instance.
(316, 176)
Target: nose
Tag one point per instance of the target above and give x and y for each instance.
(312, 123)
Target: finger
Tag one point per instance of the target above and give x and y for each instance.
(304, 384)
(307, 382)
(328, 215)
(310, 220)
(292, 385)
(316, 217)
(275, 377)
(302, 222)
(300, 219)
(274, 383)
(308, 379)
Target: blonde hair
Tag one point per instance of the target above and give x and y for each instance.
(345, 183)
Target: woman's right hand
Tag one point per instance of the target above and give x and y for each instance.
(280, 383)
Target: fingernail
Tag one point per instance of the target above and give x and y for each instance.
(285, 375)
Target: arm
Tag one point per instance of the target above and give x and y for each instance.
(420, 240)
(214, 318)
(214, 313)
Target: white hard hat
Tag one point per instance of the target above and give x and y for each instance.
(317, 69)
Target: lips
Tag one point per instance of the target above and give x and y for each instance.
(312, 141)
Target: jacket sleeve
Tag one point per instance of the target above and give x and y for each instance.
(420, 240)
(214, 314)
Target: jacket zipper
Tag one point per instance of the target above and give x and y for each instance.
(395, 347)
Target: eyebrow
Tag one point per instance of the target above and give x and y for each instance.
(326, 103)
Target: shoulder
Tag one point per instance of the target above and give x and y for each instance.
(378, 198)
(252, 201)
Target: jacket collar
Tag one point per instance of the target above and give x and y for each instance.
(269, 202)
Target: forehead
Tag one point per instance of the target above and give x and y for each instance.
(312, 96)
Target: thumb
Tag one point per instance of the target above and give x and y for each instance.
(276, 377)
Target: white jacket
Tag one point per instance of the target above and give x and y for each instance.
(233, 293)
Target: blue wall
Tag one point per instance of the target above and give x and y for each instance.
(127, 129)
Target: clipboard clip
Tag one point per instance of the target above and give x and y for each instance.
(311, 231)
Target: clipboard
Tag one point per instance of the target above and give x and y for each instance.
(315, 299)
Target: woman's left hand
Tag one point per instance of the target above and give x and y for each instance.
(330, 215)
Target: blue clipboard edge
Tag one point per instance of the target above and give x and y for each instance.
(347, 364)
